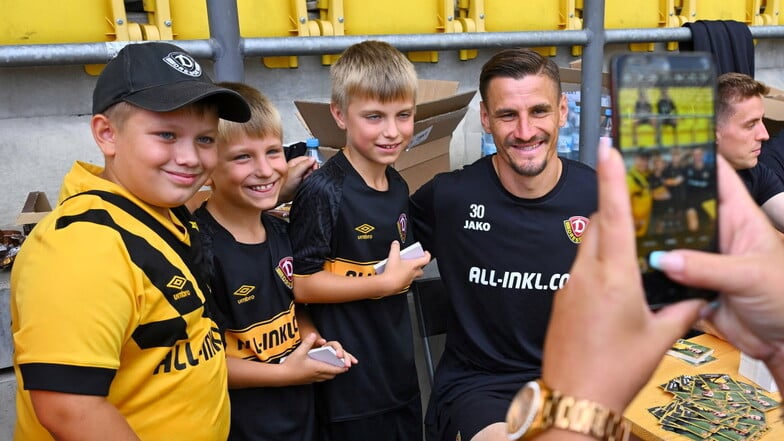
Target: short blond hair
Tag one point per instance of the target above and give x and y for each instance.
(375, 70)
(264, 117)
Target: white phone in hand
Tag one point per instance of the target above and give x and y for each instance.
(412, 251)
(325, 354)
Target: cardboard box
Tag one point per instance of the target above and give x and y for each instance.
(35, 208)
(438, 113)
(774, 111)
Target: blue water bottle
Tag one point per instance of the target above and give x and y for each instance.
(488, 145)
(312, 150)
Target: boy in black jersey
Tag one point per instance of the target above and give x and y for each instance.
(348, 215)
(504, 231)
(251, 261)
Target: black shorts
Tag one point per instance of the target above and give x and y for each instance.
(401, 424)
(469, 414)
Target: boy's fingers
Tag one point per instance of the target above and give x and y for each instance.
(308, 341)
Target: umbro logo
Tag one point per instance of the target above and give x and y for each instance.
(244, 294)
(365, 230)
(244, 290)
(177, 282)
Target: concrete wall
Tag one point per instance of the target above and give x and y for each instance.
(7, 380)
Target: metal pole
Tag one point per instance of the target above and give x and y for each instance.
(591, 88)
(225, 34)
(86, 53)
(257, 47)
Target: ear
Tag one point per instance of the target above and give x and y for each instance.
(484, 117)
(563, 110)
(338, 115)
(104, 133)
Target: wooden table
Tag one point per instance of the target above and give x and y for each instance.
(646, 427)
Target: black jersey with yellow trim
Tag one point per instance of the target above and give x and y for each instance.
(251, 284)
(340, 224)
(501, 259)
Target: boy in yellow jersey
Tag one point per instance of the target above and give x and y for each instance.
(113, 333)
(250, 253)
(640, 191)
(347, 216)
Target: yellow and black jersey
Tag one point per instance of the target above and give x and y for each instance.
(106, 301)
(501, 258)
(251, 284)
(341, 225)
(641, 200)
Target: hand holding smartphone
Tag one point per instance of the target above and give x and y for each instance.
(325, 354)
(412, 251)
(664, 123)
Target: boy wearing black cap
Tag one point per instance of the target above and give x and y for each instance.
(113, 335)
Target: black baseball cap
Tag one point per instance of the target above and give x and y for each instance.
(162, 77)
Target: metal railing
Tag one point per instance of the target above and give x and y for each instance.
(228, 50)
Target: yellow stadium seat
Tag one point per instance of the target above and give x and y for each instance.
(60, 22)
(271, 18)
(625, 14)
(745, 11)
(368, 17)
(770, 12)
(516, 16)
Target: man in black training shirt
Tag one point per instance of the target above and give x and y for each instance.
(739, 135)
(505, 231)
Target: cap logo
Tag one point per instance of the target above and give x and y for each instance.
(183, 63)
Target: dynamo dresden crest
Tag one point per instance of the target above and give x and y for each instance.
(402, 227)
(575, 227)
(285, 271)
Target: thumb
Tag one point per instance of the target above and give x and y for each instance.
(705, 270)
(307, 342)
(394, 251)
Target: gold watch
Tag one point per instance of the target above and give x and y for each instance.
(536, 408)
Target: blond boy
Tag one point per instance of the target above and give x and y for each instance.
(268, 336)
(347, 216)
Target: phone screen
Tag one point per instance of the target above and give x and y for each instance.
(664, 122)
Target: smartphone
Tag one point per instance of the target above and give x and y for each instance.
(663, 111)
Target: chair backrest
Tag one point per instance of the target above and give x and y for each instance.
(623, 14)
(431, 304)
(540, 15)
(278, 18)
(363, 17)
(744, 11)
(58, 21)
